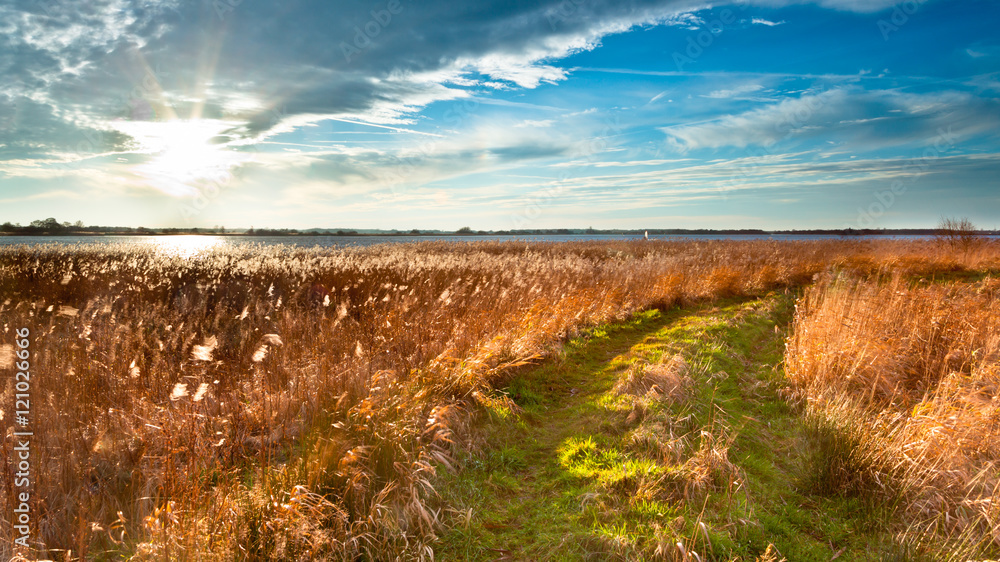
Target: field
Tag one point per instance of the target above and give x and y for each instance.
(639, 400)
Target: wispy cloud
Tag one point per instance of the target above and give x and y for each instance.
(737, 91)
(536, 124)
(983, 51)
(862, 6)
(867, 119)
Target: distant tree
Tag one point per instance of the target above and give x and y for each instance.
(961, 234)
(78, 224)
(50, 224)
(464, 230)
(414, 231)
(7, 227)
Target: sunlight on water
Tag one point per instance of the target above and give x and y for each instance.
(186, 246)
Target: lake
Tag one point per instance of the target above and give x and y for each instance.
(333, 241)
(194, 244)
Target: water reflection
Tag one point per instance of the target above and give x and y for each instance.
(185, 246)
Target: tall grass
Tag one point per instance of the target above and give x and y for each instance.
(283, 403)
(902, 378)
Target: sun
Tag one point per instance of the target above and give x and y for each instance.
(183, 155)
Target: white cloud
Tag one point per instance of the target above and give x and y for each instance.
(685, 20)
(762, 21)
(983, 51)
(658, 96)
(536, 124)
(734, 92)
(862, 6)
(763, 126)
(865, 119)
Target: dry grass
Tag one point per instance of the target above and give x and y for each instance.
(280, 403)
(669, 380)
(904, 378)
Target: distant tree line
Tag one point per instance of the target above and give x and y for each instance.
(961, 233)
(46, 226)
(52, 227)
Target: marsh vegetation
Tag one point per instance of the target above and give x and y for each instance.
(286, 403)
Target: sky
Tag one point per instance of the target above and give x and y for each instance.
(498, 115)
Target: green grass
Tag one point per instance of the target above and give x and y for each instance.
(584, 474)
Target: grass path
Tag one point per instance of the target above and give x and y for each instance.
(719, 469)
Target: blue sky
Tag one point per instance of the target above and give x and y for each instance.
(497, 115)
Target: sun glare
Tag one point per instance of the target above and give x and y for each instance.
(186, 246)
(183, 156)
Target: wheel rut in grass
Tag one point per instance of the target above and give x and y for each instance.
(662, 437)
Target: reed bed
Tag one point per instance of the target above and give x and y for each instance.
(286, 403)
(902, 378)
